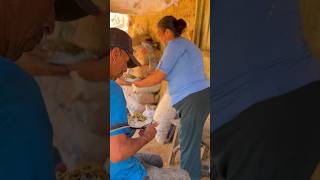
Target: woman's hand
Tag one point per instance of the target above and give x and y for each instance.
(37, 65)
(154, 78)
(122, 82)
(91, 69)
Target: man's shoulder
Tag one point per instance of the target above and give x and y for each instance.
(9, 68)
(115, 88)
(116, 93)
(12, 75)
(113, 84)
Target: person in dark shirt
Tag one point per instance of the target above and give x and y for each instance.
(264, 82)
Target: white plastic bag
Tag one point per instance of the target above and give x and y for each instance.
(151, 89)
(146, 98)
(132, 105)
(140, 7)
(77, 112)
(148, 113)
(163, 115)
(79, 146)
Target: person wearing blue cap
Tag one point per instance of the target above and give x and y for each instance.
(125, 163)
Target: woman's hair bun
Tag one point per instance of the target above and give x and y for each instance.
(170, 22)
(180, 26)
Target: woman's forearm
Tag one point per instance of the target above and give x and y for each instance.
(148, 81)
(122, 82)
(154, 78)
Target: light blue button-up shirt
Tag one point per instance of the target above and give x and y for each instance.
(182, 62)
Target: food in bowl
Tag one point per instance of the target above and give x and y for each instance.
(137, 120)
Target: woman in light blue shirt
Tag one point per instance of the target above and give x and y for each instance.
(182, 66)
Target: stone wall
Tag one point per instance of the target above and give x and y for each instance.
(186, 9)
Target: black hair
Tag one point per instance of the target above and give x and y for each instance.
(175, 25)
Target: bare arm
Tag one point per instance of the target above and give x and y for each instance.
(37, 65)
(91, 69)
(122, 82)
(154, 78)
(122, 147)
